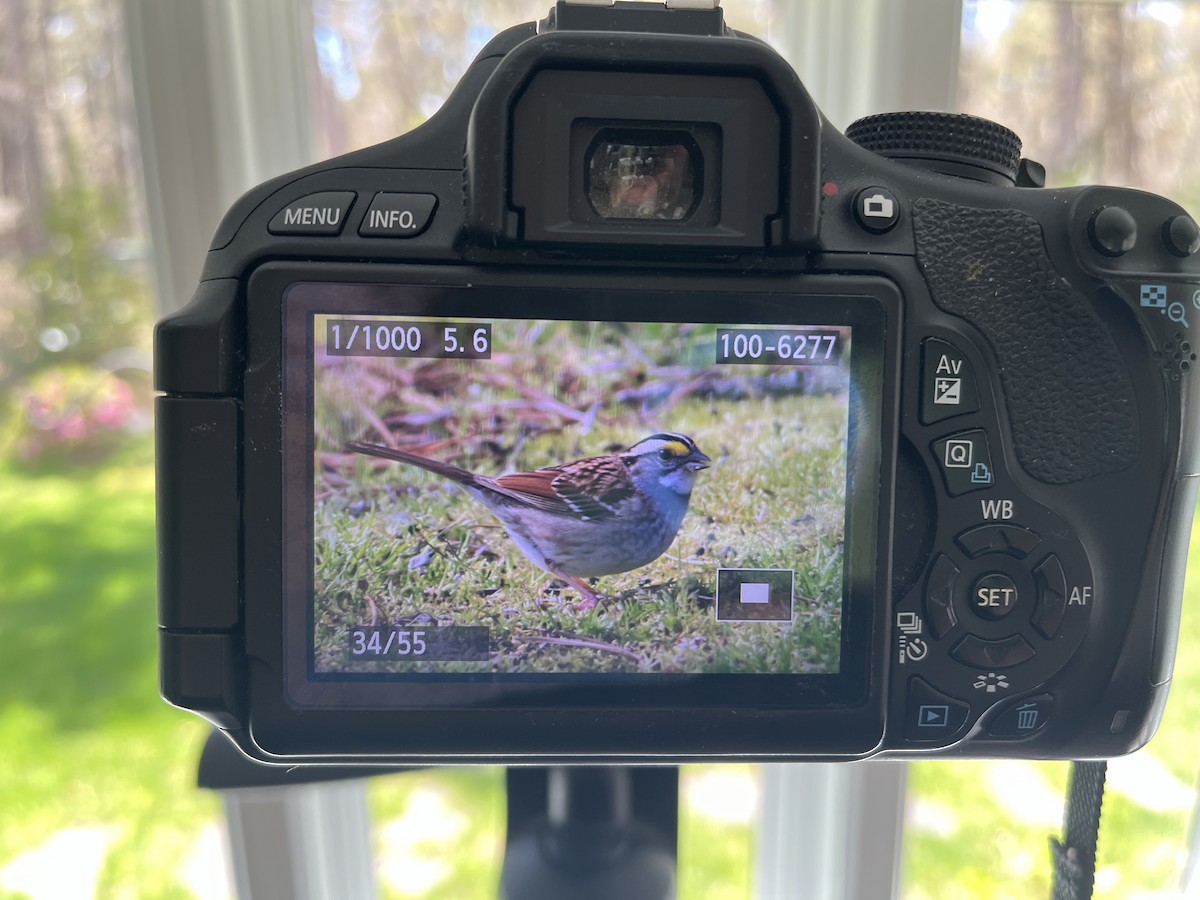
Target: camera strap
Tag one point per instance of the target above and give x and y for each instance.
(1075, 855)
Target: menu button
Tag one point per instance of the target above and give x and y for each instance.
(321, 214)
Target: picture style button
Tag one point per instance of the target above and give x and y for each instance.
(947, 382)
(398, 215)
(876, 209)
(1022, 717)
(976, 651)
(321, 214)
(932, 715)
(966, 461)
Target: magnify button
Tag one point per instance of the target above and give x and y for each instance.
(1176, 313)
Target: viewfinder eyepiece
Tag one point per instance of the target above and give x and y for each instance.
(643, 175)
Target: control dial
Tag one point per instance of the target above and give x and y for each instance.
(949, 143)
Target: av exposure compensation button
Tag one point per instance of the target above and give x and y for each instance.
(947, 382)
(322, 214)
(398, 215)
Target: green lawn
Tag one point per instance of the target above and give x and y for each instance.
(84, 737)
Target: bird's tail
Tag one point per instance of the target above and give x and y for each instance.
(453, 473)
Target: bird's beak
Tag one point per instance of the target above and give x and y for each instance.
(697, 461)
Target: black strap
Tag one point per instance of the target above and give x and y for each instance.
(1075, 855)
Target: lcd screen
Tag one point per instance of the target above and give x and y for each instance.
(526, 498)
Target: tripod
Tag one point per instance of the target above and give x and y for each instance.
(575, 831)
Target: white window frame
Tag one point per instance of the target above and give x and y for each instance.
(222, 102)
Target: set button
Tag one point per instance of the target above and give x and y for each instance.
(994, 596)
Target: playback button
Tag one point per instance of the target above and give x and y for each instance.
(932, 715)
(966, 461)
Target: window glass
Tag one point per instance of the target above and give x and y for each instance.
(1103, 93)
(382, 67)
(96, 770)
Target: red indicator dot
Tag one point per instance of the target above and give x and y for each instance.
(829, 189)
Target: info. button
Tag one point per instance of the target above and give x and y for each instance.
(398, 215)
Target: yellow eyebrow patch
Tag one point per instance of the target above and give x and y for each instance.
(677, 448)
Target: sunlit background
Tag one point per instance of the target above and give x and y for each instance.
(97, 793)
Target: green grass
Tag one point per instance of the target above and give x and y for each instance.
(397, 544)
(84, 737)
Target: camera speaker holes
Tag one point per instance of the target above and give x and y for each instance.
(1176, 356)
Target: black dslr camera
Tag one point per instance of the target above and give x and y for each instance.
(627, 411)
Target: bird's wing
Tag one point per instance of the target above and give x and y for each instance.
(589, 489)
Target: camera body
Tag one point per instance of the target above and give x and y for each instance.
(920, 431)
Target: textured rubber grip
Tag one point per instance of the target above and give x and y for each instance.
(1070, 401)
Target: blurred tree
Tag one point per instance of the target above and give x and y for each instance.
(1099, 92)
(72, 283)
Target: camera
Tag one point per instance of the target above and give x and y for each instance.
(627, 411)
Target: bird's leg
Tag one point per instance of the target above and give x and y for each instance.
(590, 597)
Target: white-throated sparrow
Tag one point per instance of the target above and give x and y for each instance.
(597, 516)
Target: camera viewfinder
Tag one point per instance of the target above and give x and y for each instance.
(643, 175)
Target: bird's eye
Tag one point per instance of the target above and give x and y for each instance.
(665, 455)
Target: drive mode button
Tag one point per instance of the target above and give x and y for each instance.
(398, 215)
(317, 214)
